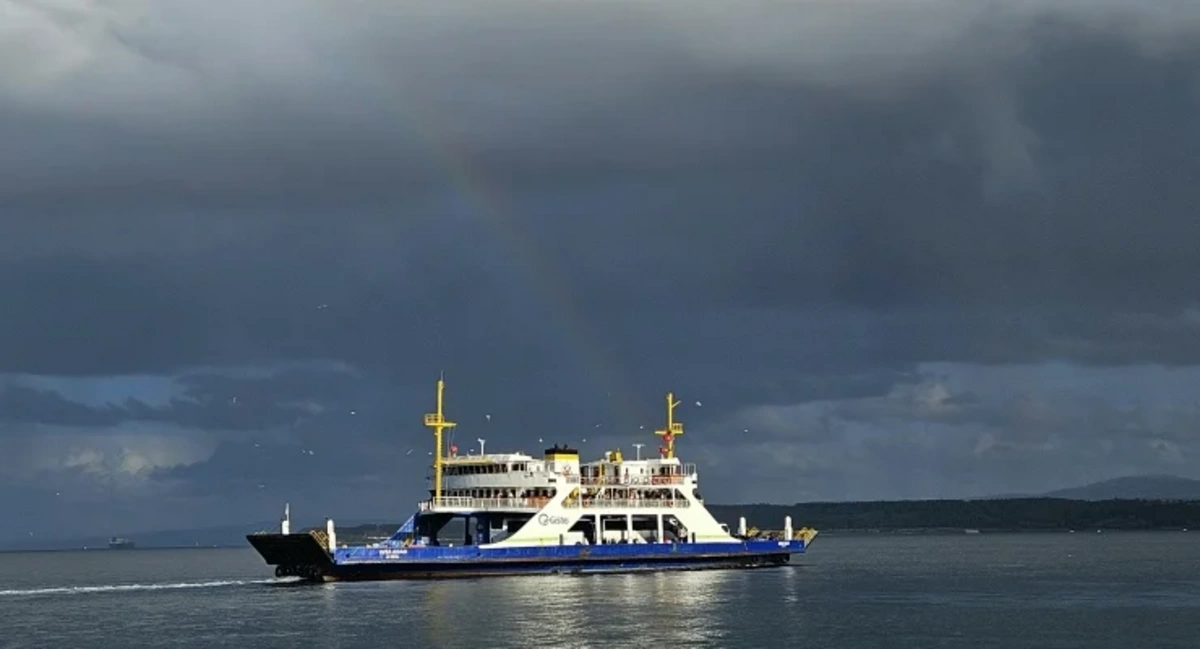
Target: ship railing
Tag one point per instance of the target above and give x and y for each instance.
(635, 480)
(635, 503)
(466, 502)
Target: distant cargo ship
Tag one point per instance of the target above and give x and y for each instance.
(117, 543)
(553, 514)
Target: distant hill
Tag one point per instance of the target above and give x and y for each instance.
(1147, 487)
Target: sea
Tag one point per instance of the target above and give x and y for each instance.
(1085, 590)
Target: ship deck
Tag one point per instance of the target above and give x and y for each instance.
(303, 555)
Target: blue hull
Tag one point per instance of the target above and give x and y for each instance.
(302, 555)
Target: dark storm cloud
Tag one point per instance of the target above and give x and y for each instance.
(20, 404)
(204, 400)
(1018, 161)
(574, 207)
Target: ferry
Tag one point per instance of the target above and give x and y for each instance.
(513, 513)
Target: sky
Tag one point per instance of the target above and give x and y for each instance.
(879, 250)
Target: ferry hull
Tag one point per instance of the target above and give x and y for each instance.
(302, 555)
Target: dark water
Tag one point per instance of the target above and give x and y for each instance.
(1120, 590)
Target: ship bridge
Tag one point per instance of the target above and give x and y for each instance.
(504, 481)
(615, 470)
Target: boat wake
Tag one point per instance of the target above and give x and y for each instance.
(123, 588)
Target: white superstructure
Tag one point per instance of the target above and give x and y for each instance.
(515, 499)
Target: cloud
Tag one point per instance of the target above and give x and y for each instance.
(229, 399)
(788, 211)
(962, 430)
(121, 456)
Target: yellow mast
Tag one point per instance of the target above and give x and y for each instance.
(437, 421)
(673, 428)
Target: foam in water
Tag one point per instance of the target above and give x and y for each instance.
(118, 588)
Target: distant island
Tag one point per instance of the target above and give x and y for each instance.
(930, 517)
(1148, 487)
(1131, 503)
(1135, 503)
(1013, 515)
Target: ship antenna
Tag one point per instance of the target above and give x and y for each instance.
(437, 421)
(673, 429)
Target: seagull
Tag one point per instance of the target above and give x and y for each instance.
(354, 412)
(409, 452)
(488, 417)
(697, 404)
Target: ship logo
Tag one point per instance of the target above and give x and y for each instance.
(546, 519)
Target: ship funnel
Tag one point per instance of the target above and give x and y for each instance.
(285, 524)
(331, 533)
(742, 526)
(787, 527)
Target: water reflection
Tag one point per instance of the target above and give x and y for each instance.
(560, 611)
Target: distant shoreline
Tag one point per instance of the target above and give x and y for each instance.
(148, 548)
(348, 536)
(964, 532)
(1017, 515)
(882, 518)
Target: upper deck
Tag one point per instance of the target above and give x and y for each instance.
(518, 470)
(519, 481)
(615, 470)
